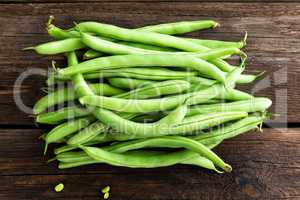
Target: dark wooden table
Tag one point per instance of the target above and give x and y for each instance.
(266, 165)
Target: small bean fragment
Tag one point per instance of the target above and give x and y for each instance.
(59, 187)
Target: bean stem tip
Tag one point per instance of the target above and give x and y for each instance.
(28, 48)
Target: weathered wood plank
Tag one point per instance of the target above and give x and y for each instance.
(273, 44)
(265, 166)
(117, 1)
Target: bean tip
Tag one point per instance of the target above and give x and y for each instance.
(28, 48)
(260, 74)
(51, 160)
(244, 41)
(45, 149)
(227, 168)
(50, 20)
(216, 25)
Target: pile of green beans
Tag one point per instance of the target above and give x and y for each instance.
(135, 89)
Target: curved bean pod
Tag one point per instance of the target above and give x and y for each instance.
(167, 28)
(85, 159)
(210, 139)
(157, 89)
(141, 161)
(180, 27)
(61, 115)
(142, 73)
(129, 83)
(213, 138)
(68, 94)
(252, 105)
(93, 130)
(215, 44)
(160, 104)
(89, 54)
(159, 60)
(134, 105)
(132, 130)
(66, 129)
(56, 47)
(138, 36)
(105, 46)
(88, 133)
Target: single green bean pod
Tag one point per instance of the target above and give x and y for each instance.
(129, 83)
(66, 129)
(61, 115)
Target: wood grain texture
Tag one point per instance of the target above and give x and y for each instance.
(273, 44)
(155, 1)
(265, 166)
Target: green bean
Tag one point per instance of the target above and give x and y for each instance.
(166, 103)
(131, 130)
(234, 95)
(159, 60)
(138, 36)
(153, 105)
(153, 161)
(146, 46)
(222, 65)
(87, 134)
(84, 159)
(216, 90)
(60, 34)
(105, 46)
(93, 130)
(167, 28)
(205, 56)
(174, 142)
(100, 138)
(163, 88)
(210, 139)
(96, 43)
(61, 115)
(157, 89)
(149, 117)
(246, 78)
(56, 47)
(94, 54)
(142, 73)
(215, 44)
(129, 83)
(96, 128)
(141, 37)
(194, 160)
(252, 105)
(134, 105)
(66, 129)
(71, 157)
(68, 94)
(180, 27)
(65, 148)
(198, 46)
(89, 54)
(57, 32)
(216, 136)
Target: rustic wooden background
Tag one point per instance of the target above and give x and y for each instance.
(266, 165)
